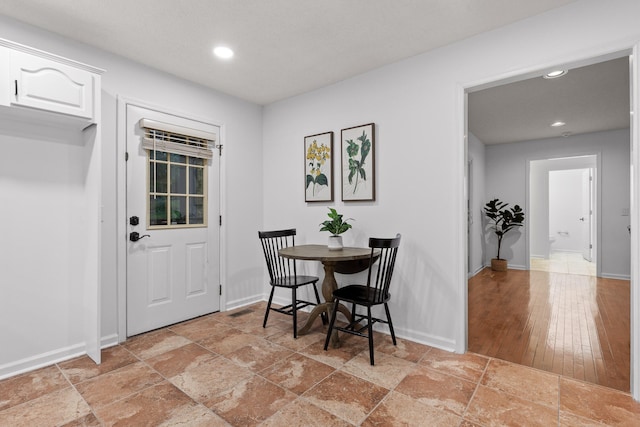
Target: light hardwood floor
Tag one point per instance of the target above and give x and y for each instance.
(564, 262)
(568, 324)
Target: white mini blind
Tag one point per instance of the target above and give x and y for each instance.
(159, 136)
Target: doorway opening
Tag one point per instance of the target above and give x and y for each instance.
(511, 157)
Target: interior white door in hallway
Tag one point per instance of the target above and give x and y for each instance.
(586, 220)
(173, 263)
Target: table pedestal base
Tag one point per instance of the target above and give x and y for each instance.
(329, 285)
(325, 307)
(345, 261)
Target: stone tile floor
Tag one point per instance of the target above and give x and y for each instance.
(226, 370)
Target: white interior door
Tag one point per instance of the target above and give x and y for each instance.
(173, 269)
(470, 266)
(587, 214)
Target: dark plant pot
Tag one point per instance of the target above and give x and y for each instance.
(499, 264)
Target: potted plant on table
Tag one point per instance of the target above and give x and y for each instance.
(336, 226)
(503, 219)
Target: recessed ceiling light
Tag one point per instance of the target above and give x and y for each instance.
(557, 124)
(555, 74)
(223, 52)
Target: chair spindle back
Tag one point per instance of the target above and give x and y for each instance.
(272, 242)
(379, 285)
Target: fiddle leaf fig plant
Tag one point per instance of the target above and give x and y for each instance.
(336, 225)
(503, 219)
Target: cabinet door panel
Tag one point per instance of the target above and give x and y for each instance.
(5, 79)
(47, 85)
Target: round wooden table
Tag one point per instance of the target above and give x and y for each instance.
(344, 261)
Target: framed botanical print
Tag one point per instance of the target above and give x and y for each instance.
(358, 163)
(318, 170)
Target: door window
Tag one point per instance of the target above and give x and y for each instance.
(177, 190)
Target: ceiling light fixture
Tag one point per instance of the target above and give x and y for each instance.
(555, 74)
(223, 52)
(557, 124)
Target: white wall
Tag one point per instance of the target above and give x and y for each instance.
(242, 192)
(506, 179)
(42, 190)
(418, 108)
(537, 215)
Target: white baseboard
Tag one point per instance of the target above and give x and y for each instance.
(70, 352)
(566, 251)
(232, 305)
(478, 270)
(41, 360)
(52, 357)
(509, 266)
(615, 276)
(404, 333)
(109, 341)
(442, 343)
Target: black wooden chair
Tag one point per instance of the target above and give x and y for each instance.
(375, 292)
(283, 274)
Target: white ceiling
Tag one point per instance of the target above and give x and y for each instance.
(288, 47)
(588, 99)
(283, 47)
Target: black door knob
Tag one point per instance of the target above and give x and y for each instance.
(134, 236)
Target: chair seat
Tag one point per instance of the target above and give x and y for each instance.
(375, 292)
(294, 281)
(360, 294)
(282, 274)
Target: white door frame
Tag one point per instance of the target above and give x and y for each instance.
(597, 214)
(611, 52)
(121, 197)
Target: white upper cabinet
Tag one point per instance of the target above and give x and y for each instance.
(50, 83)
(5, 78)
(47, 85)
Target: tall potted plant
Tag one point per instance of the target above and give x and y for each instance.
(502, 219)
(336, 226)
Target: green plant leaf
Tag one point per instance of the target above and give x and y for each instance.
(365, 147)
(322, 179)
(310, 180)
(352, 148)
(353, 168)
(336, 225)
(503, 219)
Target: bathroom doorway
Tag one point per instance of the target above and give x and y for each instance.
(564, 207)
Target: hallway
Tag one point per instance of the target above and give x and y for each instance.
(573, 325)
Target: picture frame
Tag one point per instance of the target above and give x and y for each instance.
(358, 163)
(318, 169)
